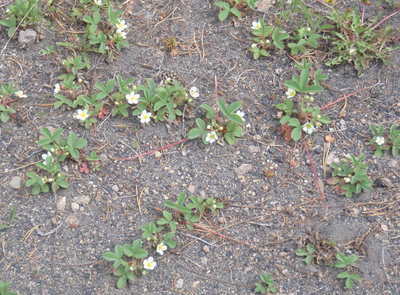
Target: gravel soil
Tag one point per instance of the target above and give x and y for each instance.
(275, 192)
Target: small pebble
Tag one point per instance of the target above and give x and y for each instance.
(254, 149)
(179, 284)
(206, 249)
(15, 182)
(74, 207)
(394, 163)
(204, 260)
(191, 188)
(27, 37)
(195, 284)
(82, 200)
(61, 204)
(72, 221)
(115, 188)
(243, 169)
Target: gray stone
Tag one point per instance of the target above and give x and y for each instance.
(82, 200)
(394, 163)
(61, 204)
(72, 221)
(383, 182)
(179, 284)
(115, 188)
(254, 149)
(264, 5)
(74, 207)
(27, 37)
(15, 182)
(191, 188)
(243, 169)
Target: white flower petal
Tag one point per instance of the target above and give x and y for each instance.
(290, 93)
(380, 140)
(211, 137)
(145, 117)
(194, 92)
(149, 263)
(20, 94)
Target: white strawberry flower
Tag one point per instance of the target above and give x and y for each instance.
(132, 98)
(149, 263)
(241, 114)
(290, 93)
(145, 117)
(211, 137)
(256, 25)
(57, 88)
(20, 94)
(98, 2)
(46, 156)
(161, 248)
(121, 25)
(81, 115)
(308, 128)
(121, 34)
(380, 140)
(194, 92)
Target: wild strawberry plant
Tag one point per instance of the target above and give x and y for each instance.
(7, 92)
(131, 261)
(266, 38)
(21, 14)
(225, 123)
(385, 140)
(267, 284)
(49, 175)
(350, 175)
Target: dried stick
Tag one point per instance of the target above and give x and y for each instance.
(344, 97)
(385, 19)
(152, 152)
(316, 178)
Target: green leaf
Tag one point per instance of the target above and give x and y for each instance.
(74, 141)
(93, 156)
(159, 104)
(122, 282)
(229, 138)
(296, 134)
(223, 15)
(137, 250)
(237, 131)
(260, 288)
(11, 32)
(74, 153)
(235, 118)
(200, 123)
(36, 189)
(222, 4)
(9, 22)
(195, 132)
(167, 215)
(294, 122)
(111, 256)
(235, 12)
(210, 113)
(234, 106)
(345, 260)
(62, 182)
